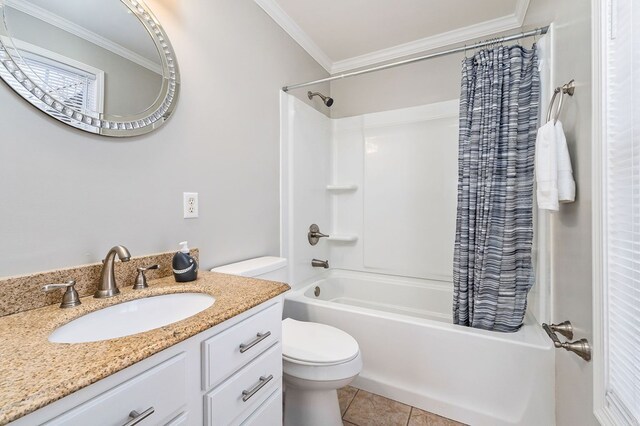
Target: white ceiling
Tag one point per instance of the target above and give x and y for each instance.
(347, 34)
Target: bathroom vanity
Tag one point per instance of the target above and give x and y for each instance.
(222, 366)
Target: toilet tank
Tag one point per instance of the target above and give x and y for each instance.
(266, 268)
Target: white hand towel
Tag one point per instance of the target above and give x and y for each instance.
(546, 168)
(554, 175)
(566, 184)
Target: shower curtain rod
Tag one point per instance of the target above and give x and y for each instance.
(537, 31)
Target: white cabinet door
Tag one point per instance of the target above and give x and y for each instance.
(162, 388)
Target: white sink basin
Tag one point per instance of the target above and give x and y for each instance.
(132, 317)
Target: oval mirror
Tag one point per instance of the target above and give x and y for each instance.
(103, 66)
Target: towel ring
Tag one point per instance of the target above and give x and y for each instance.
(568, 89)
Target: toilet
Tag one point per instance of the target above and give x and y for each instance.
(317, 359)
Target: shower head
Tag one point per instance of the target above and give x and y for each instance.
(326, 99)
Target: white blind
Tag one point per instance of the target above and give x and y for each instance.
(78, 89)
(622, 212)
(75, 86)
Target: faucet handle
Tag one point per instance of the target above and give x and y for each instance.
(314, 234)
(70, 297)
(146, 268)
(141, 279)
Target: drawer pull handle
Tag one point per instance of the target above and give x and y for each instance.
(259, 338)
(246, 394)
(138, 417)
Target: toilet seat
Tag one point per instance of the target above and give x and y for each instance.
(322, 373)
(316, 364)
(309, 343)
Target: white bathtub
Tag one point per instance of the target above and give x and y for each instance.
(413, 354)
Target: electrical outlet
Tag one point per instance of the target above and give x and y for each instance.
(190, 204)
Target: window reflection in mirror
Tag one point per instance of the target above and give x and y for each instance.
(93, 53)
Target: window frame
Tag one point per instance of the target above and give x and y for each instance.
(67, 63)
(602, 20)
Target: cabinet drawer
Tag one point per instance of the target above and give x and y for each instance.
(246, 390)
(181, 419)
(269, 413)
(162, 387)
(225, 353)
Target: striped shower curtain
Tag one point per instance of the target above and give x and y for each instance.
(499, 105)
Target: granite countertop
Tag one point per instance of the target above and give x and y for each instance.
(32, 369)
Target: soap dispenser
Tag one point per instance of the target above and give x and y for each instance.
(185, 267)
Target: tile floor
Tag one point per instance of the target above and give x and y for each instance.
(362, 408)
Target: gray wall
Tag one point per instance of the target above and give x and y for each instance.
(571, 226)
(129, 88)
(68, 196)
(421, 83)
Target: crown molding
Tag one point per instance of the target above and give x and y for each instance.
(80, 31)
(460, 35)
(273, 9)
(521, 11)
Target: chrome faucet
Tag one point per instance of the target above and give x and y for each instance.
(107, 286)
(320, 263)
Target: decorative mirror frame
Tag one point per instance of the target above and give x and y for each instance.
(11, 65)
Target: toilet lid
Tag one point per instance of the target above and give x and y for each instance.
(311, 342)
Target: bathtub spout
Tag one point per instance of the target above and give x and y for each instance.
(320, 263)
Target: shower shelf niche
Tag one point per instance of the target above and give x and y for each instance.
(344, 238)
(342, 187)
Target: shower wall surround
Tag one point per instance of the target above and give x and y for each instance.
(305, 172)
(383, 185)
(404, 163)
